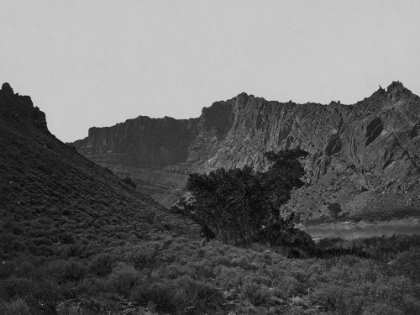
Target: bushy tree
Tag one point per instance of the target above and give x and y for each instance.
(243, 204)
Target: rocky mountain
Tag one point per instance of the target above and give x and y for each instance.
(54, 200)
(364, 158)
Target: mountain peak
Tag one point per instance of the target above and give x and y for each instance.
(7, 89)
(243, 97)
(395, 85)
(20, 108)
(396, 88)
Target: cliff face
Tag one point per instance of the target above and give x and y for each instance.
(365, 156)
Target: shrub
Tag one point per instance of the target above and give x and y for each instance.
(129, 182)
(67, 238)
(202, 269)
(15, 287)
(143, 256)
(230, 278)
(196, 297)
(256, 294)
(7, 269)
(102, 264)
(25, 268)
(15, 307)
(44, 298)
(123, 278)
(18, 246)
(330, 297)
(382, 309)
(64, 271)
(408, 264)
(160, 293)
(288, 286)
(181, 296)
(84, 306)
(334, 209)
(173, 271)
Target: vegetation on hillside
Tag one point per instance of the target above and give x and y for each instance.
(53, 201)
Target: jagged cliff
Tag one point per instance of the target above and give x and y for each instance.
(364, 157)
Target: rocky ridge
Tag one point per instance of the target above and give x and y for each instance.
(363, 157)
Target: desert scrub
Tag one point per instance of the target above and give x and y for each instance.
(15, 307)
(102, 264)
(124, 278)
(182, 296)
(407, 264)
(351, 290)
(229, 278)
(256, 294)
(287, 287)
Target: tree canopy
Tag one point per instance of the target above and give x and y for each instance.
(241, 204)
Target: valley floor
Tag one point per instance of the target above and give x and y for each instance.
(175, 274)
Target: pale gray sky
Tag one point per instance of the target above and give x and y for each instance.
(99, 62)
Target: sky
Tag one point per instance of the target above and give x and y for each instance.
(99, 62)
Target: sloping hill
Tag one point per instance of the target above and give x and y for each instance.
(52, 198)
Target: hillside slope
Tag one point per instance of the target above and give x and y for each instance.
(52, 198)
(364, 157)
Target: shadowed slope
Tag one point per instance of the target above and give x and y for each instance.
(50, 194)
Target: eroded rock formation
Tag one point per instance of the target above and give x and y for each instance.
(364, 157)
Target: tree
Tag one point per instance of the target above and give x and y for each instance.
(283, 175)
(243, 205)
(227, 201)
(334, 209)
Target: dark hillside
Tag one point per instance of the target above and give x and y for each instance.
(52, 198)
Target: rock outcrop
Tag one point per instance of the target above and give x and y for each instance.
(16, 108)
(363, 157)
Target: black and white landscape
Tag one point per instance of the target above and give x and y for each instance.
(210, 158)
